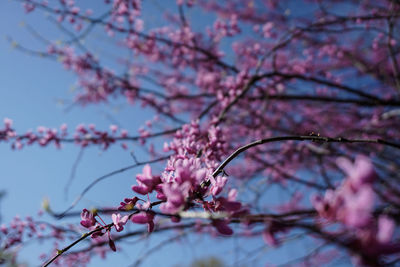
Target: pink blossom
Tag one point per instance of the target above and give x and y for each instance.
(144, 218)
(358, 207)
(218, 184)
(351, 203)
(118, 221)
(176, 195)
(386, 228)
(114, 128)
(128, 204)
(222, 227)
(362, 171)
(269, 238)
(87, 219)
(8, 123)
(29, 7)
(146, 181)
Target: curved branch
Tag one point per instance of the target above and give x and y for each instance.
(300, 138)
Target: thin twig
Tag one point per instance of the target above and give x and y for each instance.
(61, 215)
(73, 172)
(60, 252)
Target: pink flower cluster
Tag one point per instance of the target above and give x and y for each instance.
(146, 182)
(123, 9)
(353, 203)
(223, 29)
(83, 136)
(89, 135)
(229, 206)
(184, 182)
(97, 83)
(22, 230)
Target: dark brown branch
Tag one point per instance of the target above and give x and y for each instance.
(300, 138)
(84, 236)
(324, 82)
(257, 218)
(328, 99)
(73, 172)
(139, 232)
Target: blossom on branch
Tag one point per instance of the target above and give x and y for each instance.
(87, 218)
(119, 221)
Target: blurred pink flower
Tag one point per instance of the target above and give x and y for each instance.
(118, 221)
